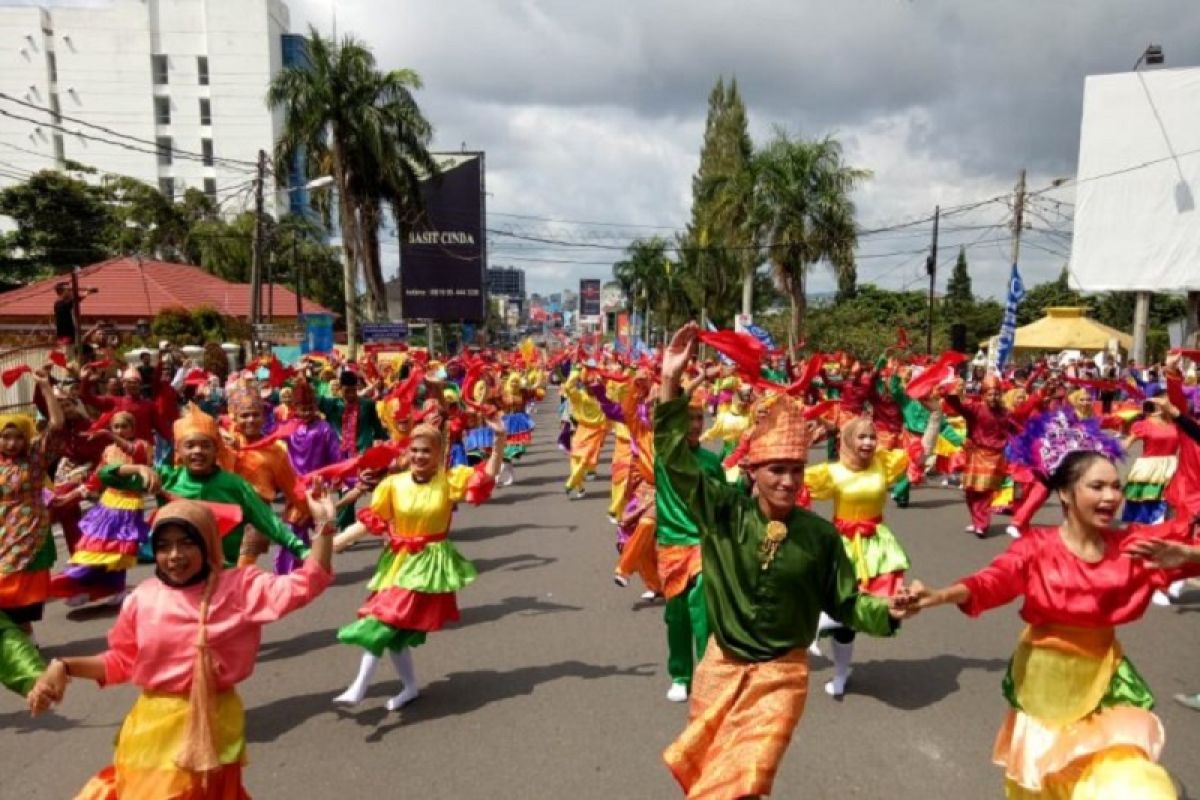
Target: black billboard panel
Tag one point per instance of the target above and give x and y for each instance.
(589, 297)
(443, 253)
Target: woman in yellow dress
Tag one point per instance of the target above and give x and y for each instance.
(413, 592)
(858, 485)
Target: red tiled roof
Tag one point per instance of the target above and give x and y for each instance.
(130, 291)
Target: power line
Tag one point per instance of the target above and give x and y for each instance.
(190, 154)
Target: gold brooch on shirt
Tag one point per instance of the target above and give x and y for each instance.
(776, 533)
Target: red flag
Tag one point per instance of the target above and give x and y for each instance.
(740, 348)
(812, 368)
(281, 432)
(943, 368)
(58, 358)
(228, 515)
(10, 376)
(374, 458)
(1130, 388)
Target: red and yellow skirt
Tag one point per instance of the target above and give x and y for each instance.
(984, 470)
(149, 741)
(1080, 725)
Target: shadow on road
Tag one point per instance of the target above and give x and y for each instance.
(79, 647)
(24, 722)
(463, 692)
(938, 501)
(507, 499)
(911, 685)
(457, 693)
(516, 563)
(482, 533)
(354, 576)
(509, 606)
(303, 644)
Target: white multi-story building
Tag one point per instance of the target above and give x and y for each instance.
(171, 92)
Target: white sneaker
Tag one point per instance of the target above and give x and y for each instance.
(835, 688)
(814, 649)
(578, 494)
(621, 580)
(404, 698)
(649, 594)
(1162, 599)
(1013, 531)
(613, 520)
(591, 476)
(678, 693)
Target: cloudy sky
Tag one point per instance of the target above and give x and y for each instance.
(592, 112)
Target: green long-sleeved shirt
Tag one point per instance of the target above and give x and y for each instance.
(675, 525)
(370, 429)
(760, 614)
(218, 486)
(20, 662)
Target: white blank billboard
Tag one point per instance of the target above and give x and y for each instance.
(1137, 227)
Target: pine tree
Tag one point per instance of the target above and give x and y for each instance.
(719, 242)
(958, 288)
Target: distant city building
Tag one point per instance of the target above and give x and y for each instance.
(169, 92)
(506, 282)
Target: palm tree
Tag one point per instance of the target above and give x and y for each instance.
(806, 214)
(364, 128)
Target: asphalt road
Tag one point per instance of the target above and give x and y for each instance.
(553, 683)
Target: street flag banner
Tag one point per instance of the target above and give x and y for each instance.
(761, 334)
(1008, 328)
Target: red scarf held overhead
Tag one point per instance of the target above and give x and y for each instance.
(741, 348)
(921, 386)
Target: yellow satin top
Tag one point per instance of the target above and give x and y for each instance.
(856, 495)
(420, 509)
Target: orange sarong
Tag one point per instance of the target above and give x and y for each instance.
(638, 555)
(740, 723)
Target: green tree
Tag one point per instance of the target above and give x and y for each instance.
(723, 231)
(61, 220)
(1057, 292)
(804, 189)
(363, 127)
(958, 297)
(655, 285)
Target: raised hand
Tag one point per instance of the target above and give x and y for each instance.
(151, 483)
(1161, 554)
(680, 351)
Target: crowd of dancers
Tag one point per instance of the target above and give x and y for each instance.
(752, 580)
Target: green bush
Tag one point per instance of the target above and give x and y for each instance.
(176, 325)
(209, 323)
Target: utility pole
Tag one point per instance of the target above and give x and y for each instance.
(1018, 218)
(931, 268)
(257, 254)
(299, 284)
(76, 316)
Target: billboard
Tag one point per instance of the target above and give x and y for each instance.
(1139, 175)
(443, 253)
(589, 297)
